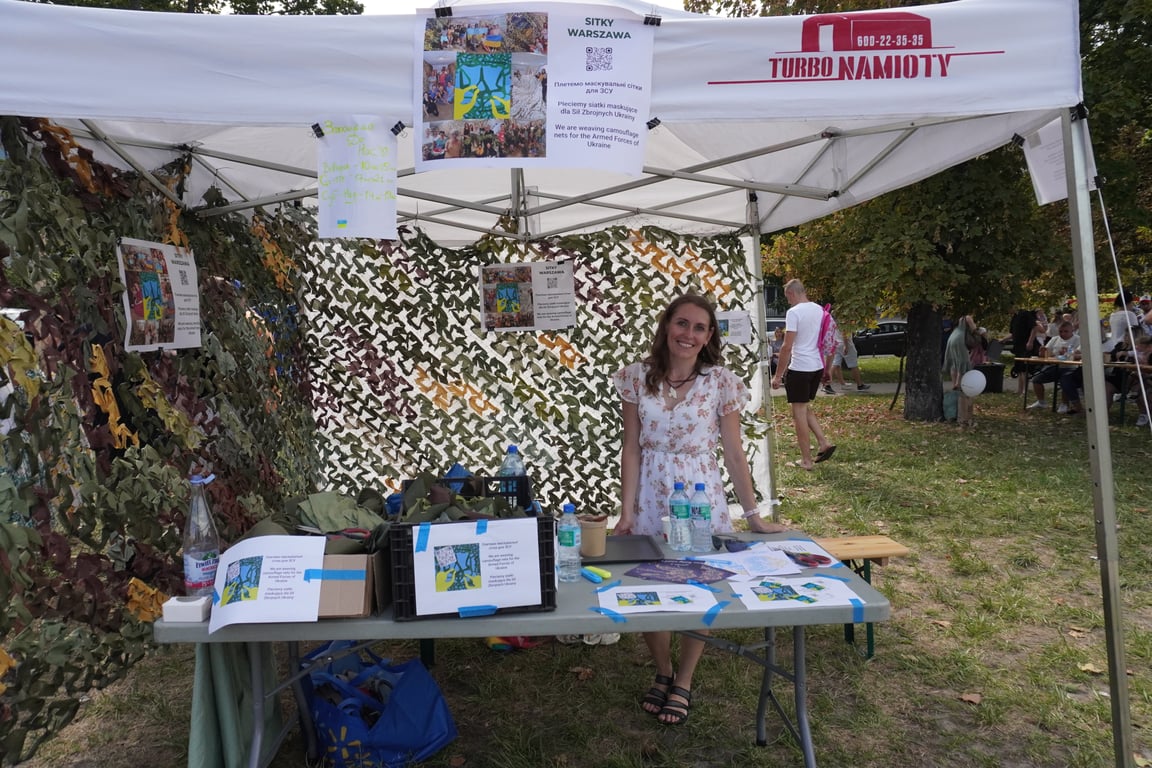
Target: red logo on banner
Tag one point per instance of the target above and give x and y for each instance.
(891, 45)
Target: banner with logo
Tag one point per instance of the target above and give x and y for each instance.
(517, 88)
(946, 59)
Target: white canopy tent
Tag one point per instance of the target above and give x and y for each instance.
(763, 123)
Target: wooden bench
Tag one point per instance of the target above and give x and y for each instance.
(858, 553)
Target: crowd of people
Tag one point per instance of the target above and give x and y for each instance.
(1127, 338)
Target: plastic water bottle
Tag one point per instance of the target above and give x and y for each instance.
(680, 528)
(700, 511)
(512, 466)
(568, 536)
(201, 542)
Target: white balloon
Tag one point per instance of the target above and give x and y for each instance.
(973, 383)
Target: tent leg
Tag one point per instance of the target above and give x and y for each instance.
(760, 319)
(1099, 444)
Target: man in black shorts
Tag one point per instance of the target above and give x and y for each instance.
(801, 360)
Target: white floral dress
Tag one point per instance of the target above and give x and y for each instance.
(679, 443)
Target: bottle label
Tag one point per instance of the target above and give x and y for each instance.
(680, 511)
(200, 571)
(569, 537)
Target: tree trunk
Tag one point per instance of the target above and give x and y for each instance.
(923, 393)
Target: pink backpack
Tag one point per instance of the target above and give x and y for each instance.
(829, 333)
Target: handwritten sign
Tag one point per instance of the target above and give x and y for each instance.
(356, 177)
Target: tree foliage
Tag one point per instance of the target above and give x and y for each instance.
(937, 245)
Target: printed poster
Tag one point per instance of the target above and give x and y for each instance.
(161, 296)
(489, 564)
(537, 296)
(356, 178)
(268, 579)
(570, 87)
(656, 598)
(735, 327)
(788, 592)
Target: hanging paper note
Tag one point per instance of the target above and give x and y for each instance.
(356, 177)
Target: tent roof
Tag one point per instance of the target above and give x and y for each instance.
(808, 123)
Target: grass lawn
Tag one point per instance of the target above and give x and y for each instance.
(995, 654)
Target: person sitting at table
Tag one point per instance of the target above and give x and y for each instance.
(1123, 318)
(1065, 346)
(678, 405)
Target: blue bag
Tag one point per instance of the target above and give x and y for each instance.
(357, 729)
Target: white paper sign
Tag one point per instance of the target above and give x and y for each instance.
(487, 565)
(568, 87)
(788, 592)
(161, 296)
(735, 327)
(528, 296)
(1044, 153)
(356, 178)
(268, 579)
(656, 598)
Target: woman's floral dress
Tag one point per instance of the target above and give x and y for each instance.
(679, 443)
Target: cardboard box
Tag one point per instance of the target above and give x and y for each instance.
(354, 586)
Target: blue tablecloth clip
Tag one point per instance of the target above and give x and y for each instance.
(481, 527)
(857, 610)
(619, 618)
(422, 536)
(702, 585)
(608, 586)
(335, 574)
(467, 611)
(713, 612)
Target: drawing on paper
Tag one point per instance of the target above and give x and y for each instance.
(457, 567)
(638, 598)
(242, 582)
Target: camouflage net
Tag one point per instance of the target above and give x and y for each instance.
(324, 366)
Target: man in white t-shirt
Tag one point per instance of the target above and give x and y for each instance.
(801, 368)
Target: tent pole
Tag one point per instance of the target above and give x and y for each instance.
(1099, 446)
(760, 320)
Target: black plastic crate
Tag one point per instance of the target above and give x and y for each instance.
(404, 577)
(516, 489)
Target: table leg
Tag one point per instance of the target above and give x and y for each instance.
(766, 686)
(800, 687)
(256, 675)
(304, 711)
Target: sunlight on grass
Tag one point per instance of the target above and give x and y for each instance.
(1000, 597)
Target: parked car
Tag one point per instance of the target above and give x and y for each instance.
(890, 337)
(772, 323)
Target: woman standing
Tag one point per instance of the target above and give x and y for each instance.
(957, 355)
(678, 404)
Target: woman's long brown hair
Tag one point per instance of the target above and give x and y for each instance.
(657, 360)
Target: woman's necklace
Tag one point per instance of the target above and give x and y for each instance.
(673, 385)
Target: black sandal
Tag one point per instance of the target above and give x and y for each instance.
(676, 710)
(656, 697)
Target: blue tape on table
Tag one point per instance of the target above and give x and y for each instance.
(702, 585)
(713, 612)
(476, 610)
(335, 574)
(616, 617)
(857, 610)
(422, 536)
(481, 527)
(215, 597)
(609, 585)
(832, 576)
